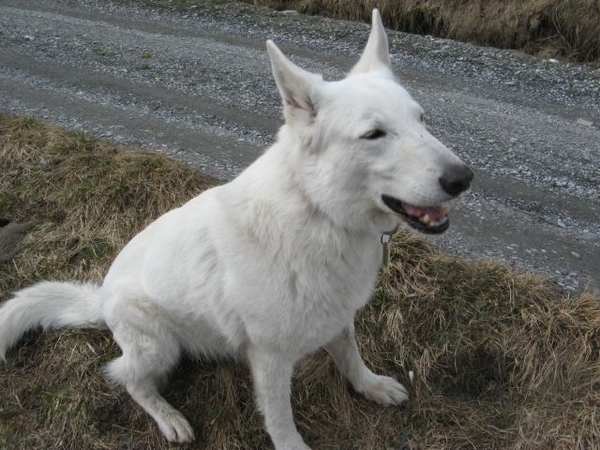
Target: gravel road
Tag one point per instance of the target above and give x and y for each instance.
(196, 85)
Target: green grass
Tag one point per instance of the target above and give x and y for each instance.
(102, 51)
(501, 361)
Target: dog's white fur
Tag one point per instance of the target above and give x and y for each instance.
(273, 265)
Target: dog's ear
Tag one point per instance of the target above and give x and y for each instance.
(296, 86)
(376, 56)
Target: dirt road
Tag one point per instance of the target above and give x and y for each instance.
(197, 85)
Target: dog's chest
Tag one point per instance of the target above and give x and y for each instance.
(328, 299)
(292, 275)
(344, 279)
(311, 292)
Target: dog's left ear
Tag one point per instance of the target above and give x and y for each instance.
(376, 56)
(296, 86)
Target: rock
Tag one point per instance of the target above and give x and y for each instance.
(10, 236)
(584, 122)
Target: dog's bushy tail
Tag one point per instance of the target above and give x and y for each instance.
(50, 305)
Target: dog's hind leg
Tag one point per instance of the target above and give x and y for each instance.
(150, 350)
(381, 389)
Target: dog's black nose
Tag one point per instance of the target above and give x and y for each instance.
(456, 179)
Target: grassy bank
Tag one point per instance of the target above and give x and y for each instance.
(500, 360)
(565, 28)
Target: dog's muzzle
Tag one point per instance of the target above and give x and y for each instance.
(433, 219)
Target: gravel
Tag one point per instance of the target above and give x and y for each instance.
(196, 84)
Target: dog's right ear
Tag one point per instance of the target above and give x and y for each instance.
(296, 86)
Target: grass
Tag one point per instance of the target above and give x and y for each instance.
(567, 28)
(100, 51)
(501, 361)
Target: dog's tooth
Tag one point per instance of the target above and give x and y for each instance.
(426, 219)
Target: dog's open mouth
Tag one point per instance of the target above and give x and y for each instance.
(426, 219)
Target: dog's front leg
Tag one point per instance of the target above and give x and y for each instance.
(272, 376)
(381, 389)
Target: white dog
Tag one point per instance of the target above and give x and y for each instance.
(273, 265)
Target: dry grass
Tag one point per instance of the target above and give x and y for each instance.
(500, 360)
(568, 28)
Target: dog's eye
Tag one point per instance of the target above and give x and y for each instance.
(374, 134)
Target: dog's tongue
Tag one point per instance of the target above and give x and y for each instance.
(435, 213)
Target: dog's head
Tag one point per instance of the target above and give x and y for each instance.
(362, 144)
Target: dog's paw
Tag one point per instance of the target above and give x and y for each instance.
(384, 390)
(176, 428)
